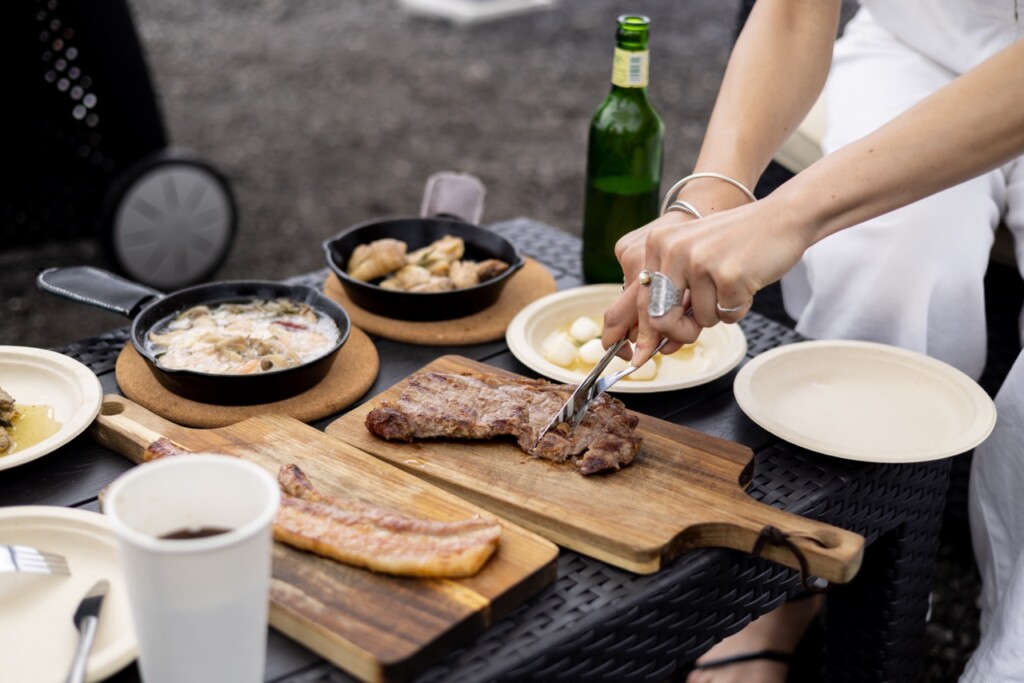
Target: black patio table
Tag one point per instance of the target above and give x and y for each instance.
(597, 622)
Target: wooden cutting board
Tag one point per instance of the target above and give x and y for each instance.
(377, 627)
(683, 491)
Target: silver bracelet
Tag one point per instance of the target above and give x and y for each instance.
(685, 207)
(674, 190)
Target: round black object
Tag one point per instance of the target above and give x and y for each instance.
(148, 308)
(169, 221)
(481, 244)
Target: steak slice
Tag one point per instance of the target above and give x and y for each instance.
(357, 533)
(361, 534)
(484, 406)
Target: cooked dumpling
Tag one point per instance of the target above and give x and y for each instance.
(377, 259)
(446, 249)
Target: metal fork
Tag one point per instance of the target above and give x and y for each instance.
(22, 558)
(592, 386)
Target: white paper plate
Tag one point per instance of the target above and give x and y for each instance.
(865, 401)
(36, 629)
(40, 377)
(718, 350)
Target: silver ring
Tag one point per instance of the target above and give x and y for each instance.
(644, 278)
(664, 295)
(723, 309)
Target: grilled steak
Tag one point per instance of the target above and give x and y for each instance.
(482, 406)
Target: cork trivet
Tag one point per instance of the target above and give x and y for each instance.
(353, 372)
(525, 287)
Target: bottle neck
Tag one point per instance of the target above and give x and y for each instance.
(630, 69)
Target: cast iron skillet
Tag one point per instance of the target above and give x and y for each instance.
(481, 244)
(452, 205)
(147, 308)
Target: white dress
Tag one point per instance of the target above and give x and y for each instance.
(997, 531)
(914, 277)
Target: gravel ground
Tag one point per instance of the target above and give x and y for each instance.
(326, 113)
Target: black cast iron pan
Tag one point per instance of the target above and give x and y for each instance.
(148, 307)
(452, 204)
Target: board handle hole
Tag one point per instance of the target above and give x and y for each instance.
(111, 408)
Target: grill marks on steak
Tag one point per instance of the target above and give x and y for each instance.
(484, 406)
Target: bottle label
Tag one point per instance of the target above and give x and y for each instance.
(629, 69)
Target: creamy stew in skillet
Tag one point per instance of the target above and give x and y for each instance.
(242, 338)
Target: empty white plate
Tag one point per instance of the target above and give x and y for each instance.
(718, 350)
(865, 401)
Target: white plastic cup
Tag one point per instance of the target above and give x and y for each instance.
(200, 604)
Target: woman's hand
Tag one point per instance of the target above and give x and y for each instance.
(719, 263)
(723, 261)
(621, 319)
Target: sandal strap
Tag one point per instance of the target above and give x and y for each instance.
(774, 655)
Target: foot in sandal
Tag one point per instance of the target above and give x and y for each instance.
(761, 652)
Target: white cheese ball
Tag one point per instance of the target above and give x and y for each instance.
(616, 365)
(584, 329)
(591, 352)
(645, 372)
(559, 349)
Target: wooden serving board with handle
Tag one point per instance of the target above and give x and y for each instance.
(683, 491)
(377, 627)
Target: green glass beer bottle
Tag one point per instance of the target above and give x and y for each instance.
(624, 154)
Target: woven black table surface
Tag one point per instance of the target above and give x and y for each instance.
(597, 622)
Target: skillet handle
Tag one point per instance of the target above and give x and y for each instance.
(97, 287)
(456, 195)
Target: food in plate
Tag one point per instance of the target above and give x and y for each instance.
(485, 406)
(360, 534)
(349, 530)
(258, 335)
(577, 346)
(437, 267)
(7, 412)
(22, 426)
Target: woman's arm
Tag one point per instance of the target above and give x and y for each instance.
(775, 73)
(972, 125)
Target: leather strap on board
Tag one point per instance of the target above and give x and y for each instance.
(775, 536)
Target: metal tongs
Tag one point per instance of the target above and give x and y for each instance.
(592, 386)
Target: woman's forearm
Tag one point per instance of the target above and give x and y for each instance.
(972, 125)
(775, 73)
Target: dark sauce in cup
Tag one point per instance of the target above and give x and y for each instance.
(194, 532)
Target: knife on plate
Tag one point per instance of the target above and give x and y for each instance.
(87, 618)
